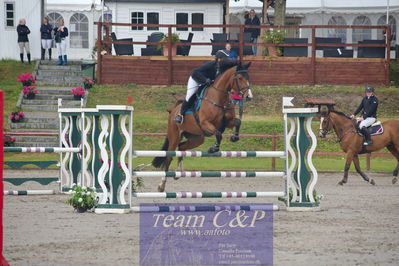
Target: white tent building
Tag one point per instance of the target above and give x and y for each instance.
(330, 12)
(79, 17)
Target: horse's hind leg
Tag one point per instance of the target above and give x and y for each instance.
(191, 143)
(395, 153)
(174, 138)
(360, 172)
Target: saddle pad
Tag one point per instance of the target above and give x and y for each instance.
(197, 101)
(375, 130)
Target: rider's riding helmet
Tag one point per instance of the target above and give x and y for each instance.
(221, 54)
(369, 89)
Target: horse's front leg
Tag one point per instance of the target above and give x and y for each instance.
(210, 130)
(236, 134)
(359, 171)
(349, 158)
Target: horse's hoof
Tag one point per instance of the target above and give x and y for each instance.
(234, 138)
(372, 182)
(341, 183)
(394, 180)
(176, 178)
(161, 188)
(213, 150)
(395, 173)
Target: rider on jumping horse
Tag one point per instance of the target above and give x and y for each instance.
(368, 117)
(204, 75)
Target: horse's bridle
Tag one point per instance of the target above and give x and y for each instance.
(239, 90)
(235, 79)
(323, 132)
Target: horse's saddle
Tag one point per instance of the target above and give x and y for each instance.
(196, 100)
(375, 129)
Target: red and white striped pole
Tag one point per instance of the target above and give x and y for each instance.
(3, 260)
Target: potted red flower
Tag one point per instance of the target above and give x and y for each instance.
(78, 93)
(88, 83)
(16, 117)
(9, 141)
(26, 79)
(29, 92)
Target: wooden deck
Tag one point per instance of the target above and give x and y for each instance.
(155, 70)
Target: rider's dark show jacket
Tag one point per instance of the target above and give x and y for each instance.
(209, 70)
(369, 106)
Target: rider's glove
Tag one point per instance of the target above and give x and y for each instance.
(208, 82)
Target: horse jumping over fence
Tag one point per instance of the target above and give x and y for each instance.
(214, 116)
(351, 141)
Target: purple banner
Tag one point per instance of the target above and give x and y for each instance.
(188, 234)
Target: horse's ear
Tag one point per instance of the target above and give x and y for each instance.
(239, 67)
(247, 65)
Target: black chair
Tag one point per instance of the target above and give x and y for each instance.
(397, 51)
(151, 49)
(122, 49)
(338, 53)
(300, 51)
(218, 37)
(185, 49)
(371, 52)
(247, 39)
(328, 40)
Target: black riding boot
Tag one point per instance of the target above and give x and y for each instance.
(49, 54)
(367, 137)
(43, 53)
(21, 56)
(183, 109)
(28, 55)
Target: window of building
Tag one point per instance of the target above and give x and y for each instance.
(137, 18)
(54, 18)
(361, 34)
(79, 31)
(197, 19)
(152, 18)
(182, 19)
(9, 14)
(382, 21)
(189, 18)
(337, 33)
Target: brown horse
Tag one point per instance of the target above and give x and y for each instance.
(214, 116)
(351, 141)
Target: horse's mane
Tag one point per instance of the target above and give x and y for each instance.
(340, 113)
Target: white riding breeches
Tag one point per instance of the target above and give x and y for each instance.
(367, 122)
(61, 47)
(192, 87)
(46, 43)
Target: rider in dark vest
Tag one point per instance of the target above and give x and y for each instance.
(204, 75)
(368, 106)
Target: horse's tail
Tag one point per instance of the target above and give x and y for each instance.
(158, 162)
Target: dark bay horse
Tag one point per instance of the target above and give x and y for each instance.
(214, 116)
(351, 142)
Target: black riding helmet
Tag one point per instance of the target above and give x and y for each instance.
(369, 89)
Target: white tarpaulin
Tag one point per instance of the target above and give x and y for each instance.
(325, 6)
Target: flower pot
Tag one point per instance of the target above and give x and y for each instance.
(77, 97)
(30, 96)
(81, 209)
(17, 120)
(272, 51)
(166, 49)
(87, 86)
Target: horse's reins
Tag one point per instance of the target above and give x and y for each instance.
(226, 107)
(350, 130)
